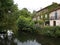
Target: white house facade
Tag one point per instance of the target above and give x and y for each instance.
(55, 18)
(50, 15)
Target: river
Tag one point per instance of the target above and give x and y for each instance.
(30, 39)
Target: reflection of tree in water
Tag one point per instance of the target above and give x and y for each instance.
(43, 40)
(25, 36)
(47, 40)
(7, 42)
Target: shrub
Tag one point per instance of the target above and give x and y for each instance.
(51, 31)
(26, 24)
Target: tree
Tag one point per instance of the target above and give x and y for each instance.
(8, 15)
(34, 13)
(25, 12)
(25, 20)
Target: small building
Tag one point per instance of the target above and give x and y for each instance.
(50, 15)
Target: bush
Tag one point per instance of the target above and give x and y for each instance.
(26, 24)
(51, 31)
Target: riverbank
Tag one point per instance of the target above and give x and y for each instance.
(50, 31)
(45, 31)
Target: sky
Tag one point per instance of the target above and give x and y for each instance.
(34, 4)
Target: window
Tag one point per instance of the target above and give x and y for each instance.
(41, 16)
(45, 15)
(55, 15)
(38, 18)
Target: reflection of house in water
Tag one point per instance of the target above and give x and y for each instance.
(50, 15)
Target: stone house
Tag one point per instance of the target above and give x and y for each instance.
(50, 15)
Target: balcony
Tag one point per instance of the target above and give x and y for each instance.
(53, 18)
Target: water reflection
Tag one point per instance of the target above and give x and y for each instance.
(7, 42)
(30, 39)
(28, 42)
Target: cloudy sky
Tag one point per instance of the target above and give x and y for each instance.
(34, 4)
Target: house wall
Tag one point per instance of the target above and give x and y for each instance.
(52, 22)
(58, 12)
(34, 19)
(52, 16)
(58, 23)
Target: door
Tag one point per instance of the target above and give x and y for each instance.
(54, 23)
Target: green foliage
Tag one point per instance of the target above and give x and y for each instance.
(51, 31)
(8, 15)
(25, 12)
(41, 22)
(24, 23)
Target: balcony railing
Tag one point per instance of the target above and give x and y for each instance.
(53, 18)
